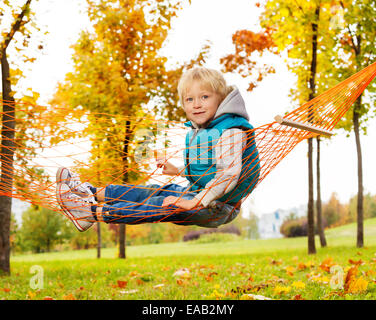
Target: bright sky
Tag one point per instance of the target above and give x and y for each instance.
(216, 20)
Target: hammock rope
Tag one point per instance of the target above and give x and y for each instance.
(41, 146)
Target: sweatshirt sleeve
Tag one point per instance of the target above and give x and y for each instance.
(228, 155)
(181, 169)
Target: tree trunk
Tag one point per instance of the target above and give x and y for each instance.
(360, 233)
(122, 227)
(310, 210)
(320, 227)
(7, 152)
(310, 213)
(99, 236)
(99, 242)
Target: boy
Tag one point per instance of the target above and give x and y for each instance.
(220, 163)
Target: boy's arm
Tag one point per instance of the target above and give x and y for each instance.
(228, 151)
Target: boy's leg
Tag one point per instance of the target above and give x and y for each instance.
(151, 210)
(138, 193)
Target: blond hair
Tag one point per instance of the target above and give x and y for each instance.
(208, 78)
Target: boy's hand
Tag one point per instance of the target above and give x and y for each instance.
(168, 168)
(181, 203)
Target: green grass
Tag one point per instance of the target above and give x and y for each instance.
(230, 269)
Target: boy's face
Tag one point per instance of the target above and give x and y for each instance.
(200, 104)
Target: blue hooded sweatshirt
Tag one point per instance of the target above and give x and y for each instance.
(199, 152)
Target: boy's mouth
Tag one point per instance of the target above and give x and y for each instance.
(198, 113)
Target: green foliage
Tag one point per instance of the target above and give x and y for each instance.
(369, 206)
(42, 229)
(294, 227)
(355, 50)
(292, 25)
(216, 237)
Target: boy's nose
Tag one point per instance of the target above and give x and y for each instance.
(197, 103)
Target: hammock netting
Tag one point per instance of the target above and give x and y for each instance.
(46, 138)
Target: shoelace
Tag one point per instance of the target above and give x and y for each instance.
(76, 184)
(81, 187)
(74, 197)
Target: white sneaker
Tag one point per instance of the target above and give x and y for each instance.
(72, 180)
(78, 209)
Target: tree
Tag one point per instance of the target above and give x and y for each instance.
(302, 30)
(119, 73)
(19, 20)
(42, 229)
(335, 213)
(320, 224)
(355, 50)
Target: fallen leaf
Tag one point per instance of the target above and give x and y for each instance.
(276, 262)
(133, 274)
(327, 264)
(48, 298)
(359, 262)
(209, 277)
(281, 290)
(121, 284)
(298, 284)
(350, 276)
(69, 297)
(290, 270)
(358, 285)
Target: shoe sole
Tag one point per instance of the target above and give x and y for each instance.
(60, 201)
(59, 175)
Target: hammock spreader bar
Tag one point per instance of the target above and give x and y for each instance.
(302, 126)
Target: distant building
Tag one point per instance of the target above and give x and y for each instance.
(270, 223)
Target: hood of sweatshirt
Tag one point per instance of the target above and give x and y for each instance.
(233, 103)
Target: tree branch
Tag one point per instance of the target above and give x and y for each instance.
(15, 27)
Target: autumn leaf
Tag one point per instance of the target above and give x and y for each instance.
(69, 297)
(31, 294)
(48, 298)
(121, 284)
(358, 262)
(357, 285)
(290, 271)
(353, 284)
(276, 262)
(327, 264)
(209, 277)
(281, 290)
(350, 276)
(133, 274)
(298, 284)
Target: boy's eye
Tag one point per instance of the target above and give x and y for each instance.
(189, 99)
(205, 96)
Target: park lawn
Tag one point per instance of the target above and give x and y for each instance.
(232, 269)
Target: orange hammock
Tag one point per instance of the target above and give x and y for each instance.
(47, 138)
